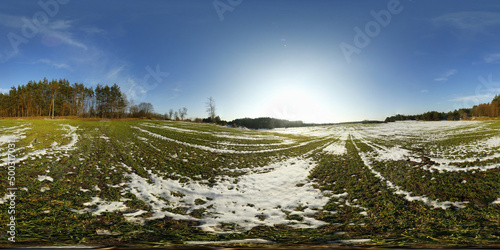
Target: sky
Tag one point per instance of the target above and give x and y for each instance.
(310, 60)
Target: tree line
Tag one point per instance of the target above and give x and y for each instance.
(487, 110)
(266, 122)
(433, 116)
(490, 110)
(60, 98)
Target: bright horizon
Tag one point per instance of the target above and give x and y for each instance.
(316, 61)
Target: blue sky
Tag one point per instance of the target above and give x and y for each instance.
(292, 59)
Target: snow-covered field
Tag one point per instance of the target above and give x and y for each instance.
(268, 198)
(231, 180)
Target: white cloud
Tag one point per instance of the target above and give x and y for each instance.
(93, 30)
(135, 91)
(424, 91)
(55, 65)
(64, 37)
(475, 21)
(58, 29)
(441, 79)
(482, 96)
(450, 72)
(60, 25)
(2, 90)
(446, 75)
(474, 98)
(492, 58)
(8, 55)
(114, 73)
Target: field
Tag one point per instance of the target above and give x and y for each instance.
(160, 183)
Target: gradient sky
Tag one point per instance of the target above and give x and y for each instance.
(279, 58)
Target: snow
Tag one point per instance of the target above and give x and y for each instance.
(497, 201)
(102, 206)
(106, 232)
(133, 217)
(493, 142)
(216, 150)
(104, 137)
(317, 131)
(44, 177)
(267, 195)
(4, 199)
(71, 133)
(394, 154)
(245, 241)
(345, 194)
(4, 139)
(424, 132)
(351, 241)
(62, 247)
(407, 195)
(240, 136)
(335, 148)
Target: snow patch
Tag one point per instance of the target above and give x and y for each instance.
(102, 206)
(247, 201)
(44, 177)
(245, 241)
(335, 149)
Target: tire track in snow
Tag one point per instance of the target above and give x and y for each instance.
(407, 195)
(215, 150)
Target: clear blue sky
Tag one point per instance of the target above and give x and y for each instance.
(293, 59)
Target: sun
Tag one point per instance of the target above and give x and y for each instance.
(295, 104)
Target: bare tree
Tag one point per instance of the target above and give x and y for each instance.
(176, 115)
(211, 108)
(183, 112)
(145, 109)
(170, 114)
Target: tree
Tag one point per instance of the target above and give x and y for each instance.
(146, 109)
(170, 114)
(211, 108)
(183, 112)
(60, 98)
(54, 88)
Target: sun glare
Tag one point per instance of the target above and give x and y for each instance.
(294, 104)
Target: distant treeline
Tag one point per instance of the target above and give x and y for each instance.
(266, 123)
(433, 116)
(489, 110)
(60, 98)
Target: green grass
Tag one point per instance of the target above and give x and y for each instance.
(107, 150)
